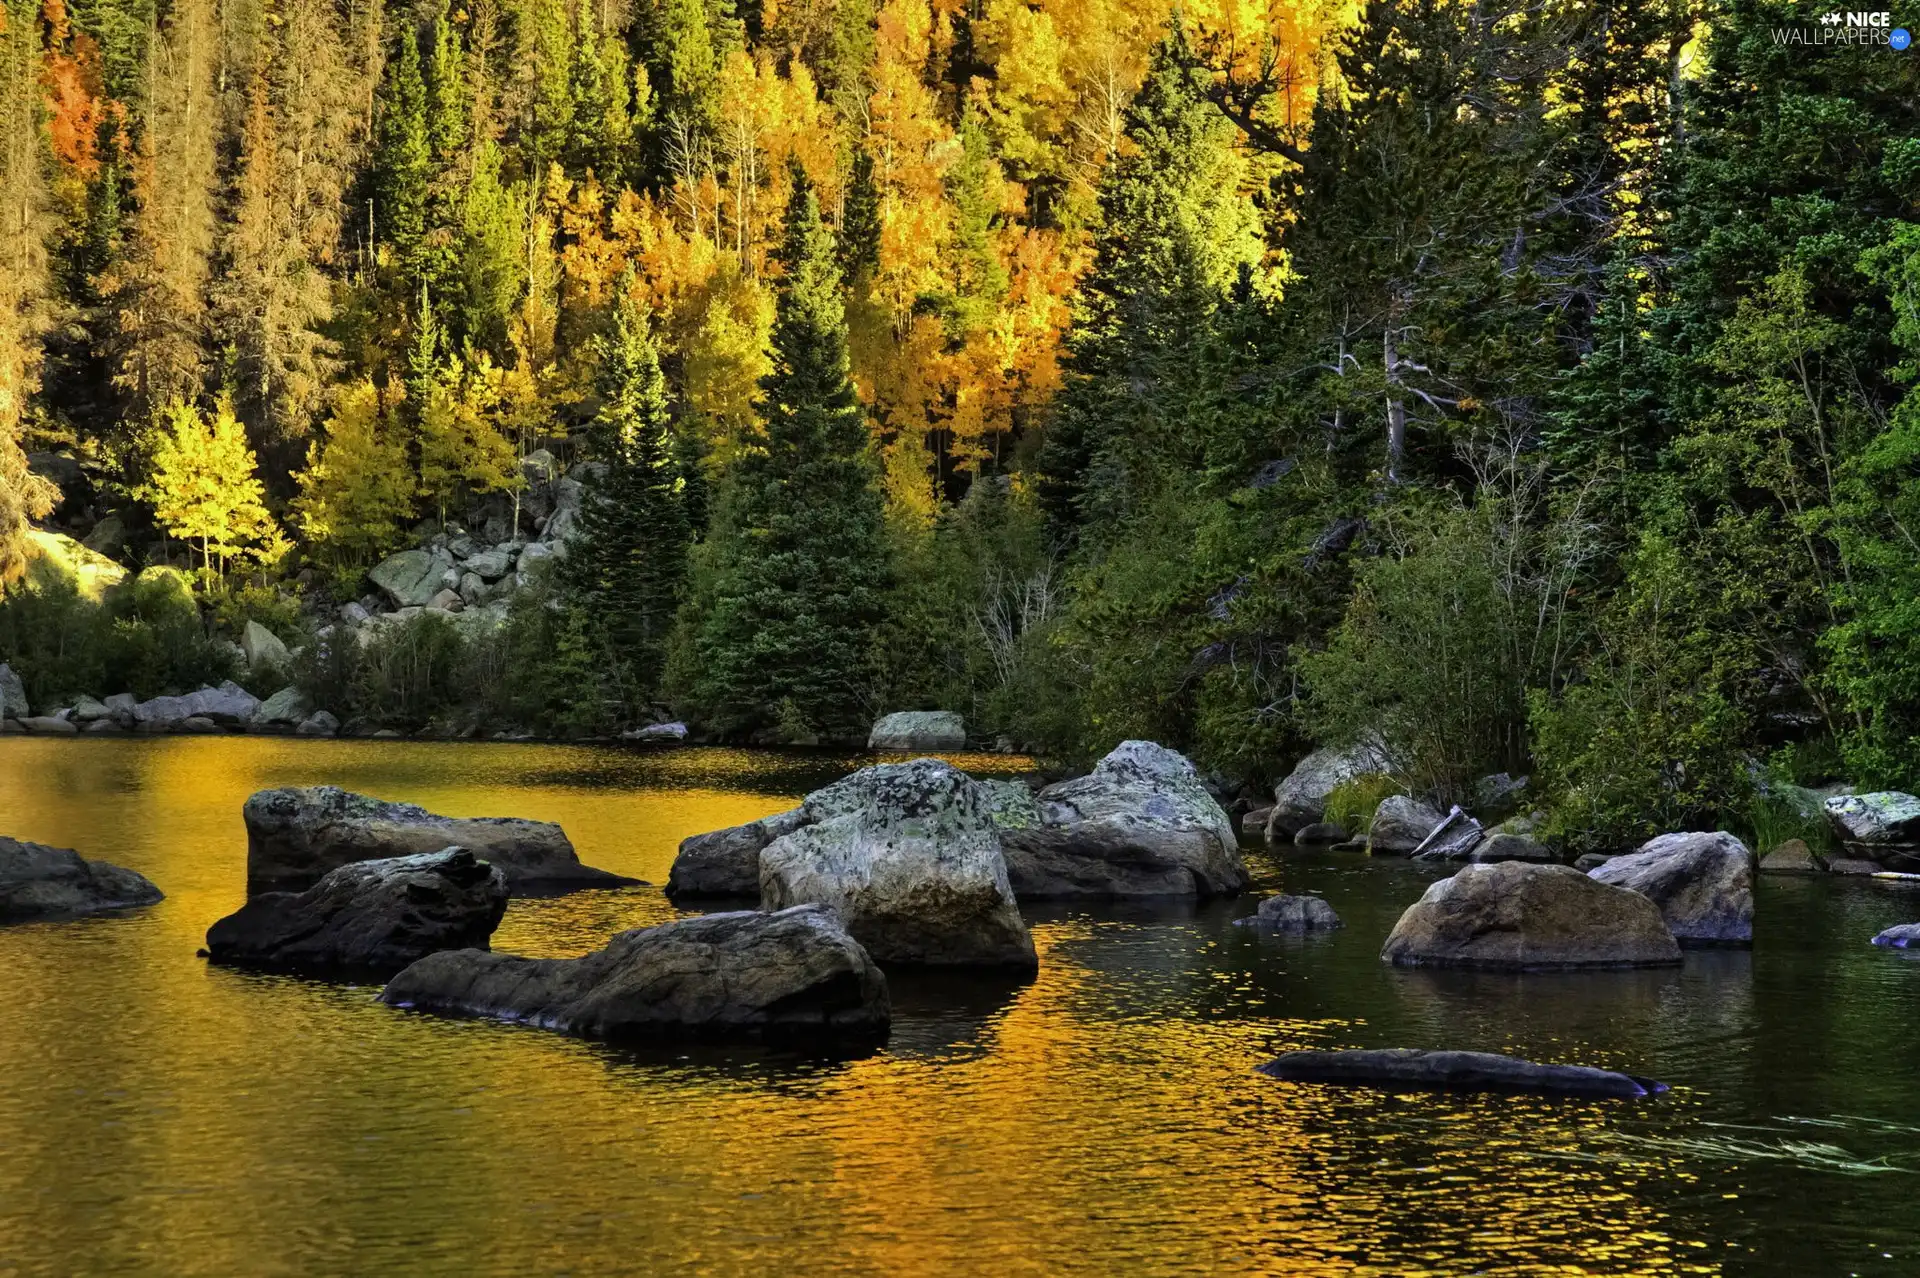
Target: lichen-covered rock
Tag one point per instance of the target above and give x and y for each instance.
(1140, 824)
(1702, 882)
(1400, 824)
(287, 706)
(294, 836)
(263, 649)
(918, 730)
(791, 975)
(370, 918)
(908, 856)
(1883, 827)
(411, 577)
(1520, 916)
(37, 881)
(1293, 914)
(490, 565)
(228, 705)
(727, 862)
(87, 710)
(1301, 799)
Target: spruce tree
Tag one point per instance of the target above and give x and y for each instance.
(627, 554)
(788, 632)
(403, 158)
(860, 221)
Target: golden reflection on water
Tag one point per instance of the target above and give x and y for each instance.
(164, 1117)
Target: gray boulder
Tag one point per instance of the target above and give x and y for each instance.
(474, 589)
(49, 725)
(1883, 827)
(1293, 914)
(286, 706)
(1398, 1069)
(229, 705)
(566, 512)
(318, 724)
(295, 836)
(657, 733)
(411, 577)
(1901, 936)
(1301, 799)
(1320, 832)
(122, 707)
(1792, 857)
(727, 862)
(1703, 884)
(1140, 824)
(87, 710)
(918, 730)
(354, 613)
(490, 565)
(13, 695)
(908, 855)
(1519, 916)
(791, 975)
(37, 881)
(536, 563)
(1400, 824)
(370, 919)
(1501, 846)
(262, 648)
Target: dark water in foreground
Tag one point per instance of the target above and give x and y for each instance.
(160, 1116)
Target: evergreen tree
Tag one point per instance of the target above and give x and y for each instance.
(403, 160)
(627, 554)
(859, 240)
(788, 632)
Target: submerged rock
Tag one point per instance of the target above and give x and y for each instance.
(1520, 916)
(918, 730)
(794, 974)
(1882, 827)
(1140, 824)
(37, 881)
(1400, 1068)
(908, 856)
(1301, 799)
(1901, 936)
(294, 836)
(1320, 832)
(1400, 824)
(727, 862)
(1702, 882)
(1293, 914)
(370, 918)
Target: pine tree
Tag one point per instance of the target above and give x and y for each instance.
(627, 555)
(859, 240)
(403, 160)
(788, 632)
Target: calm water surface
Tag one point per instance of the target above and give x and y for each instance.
(161, 1116)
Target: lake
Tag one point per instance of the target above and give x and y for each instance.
(162, 1116)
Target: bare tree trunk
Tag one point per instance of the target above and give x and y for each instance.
(1396, 402)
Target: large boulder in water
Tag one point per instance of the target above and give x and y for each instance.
(37, 881)
(294, 836)
(1520, 916)
(1140, 824)
(918, 730)
(1400, 824)
(370, 918)
(795, 974)
(727, 862)
(1883, 827)
(908, 855)
(1403, 1068)
(1703, 884)
(1301, 799)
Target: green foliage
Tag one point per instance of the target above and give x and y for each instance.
(1352, 803)
(145, 636)
(798, 583)
(408, 673)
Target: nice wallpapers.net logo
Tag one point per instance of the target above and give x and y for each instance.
(1842, 27)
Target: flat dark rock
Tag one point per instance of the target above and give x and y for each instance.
(294, 836)
(368, 919)
(791, 975)
(1394, 1069)
(38, 882)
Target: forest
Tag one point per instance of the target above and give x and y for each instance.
(1524, 385)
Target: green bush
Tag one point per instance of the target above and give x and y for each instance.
(1352, 803)
(410, 671)
(145, 636)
